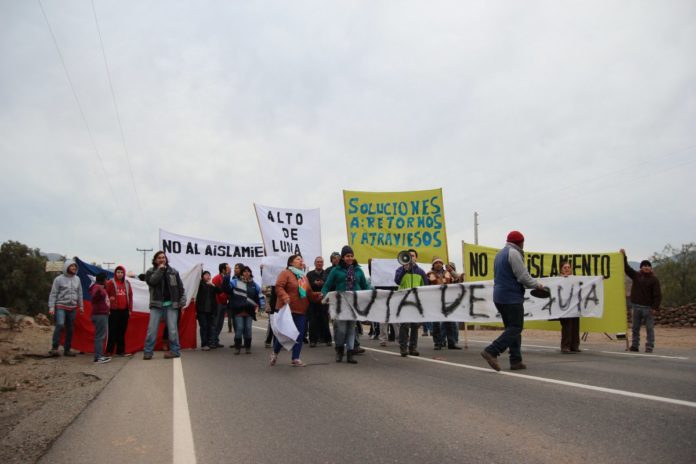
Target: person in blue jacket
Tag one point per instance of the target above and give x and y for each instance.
(510, 278)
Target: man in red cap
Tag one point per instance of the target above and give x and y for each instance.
(510, 278)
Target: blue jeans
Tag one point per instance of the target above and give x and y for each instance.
(299, 320)
(101, 325)
(344, 334)
(642, 313)
(242, 327)
(64, 319)
(171, 316)
(511, 338)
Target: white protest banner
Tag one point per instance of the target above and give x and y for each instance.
(382, 272)
(287, 232)
(185, 252)
(574, 296)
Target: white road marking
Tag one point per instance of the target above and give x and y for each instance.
(612, 391)
(642, 355)
(184, 451)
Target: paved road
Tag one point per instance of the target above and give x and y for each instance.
(387, 409)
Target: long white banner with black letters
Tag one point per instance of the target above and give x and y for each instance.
(573, 296)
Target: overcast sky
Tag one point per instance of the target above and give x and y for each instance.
(573, 122)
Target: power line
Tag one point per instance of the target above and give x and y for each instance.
(118, 114)
(79, 105)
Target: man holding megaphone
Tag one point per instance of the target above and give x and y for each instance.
(409, 275)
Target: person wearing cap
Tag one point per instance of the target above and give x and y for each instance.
(409, 275)
(443, 332)
(646, 296)
(452, 269)
(510, 278)
(347, 276)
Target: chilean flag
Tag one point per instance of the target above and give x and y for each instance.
(83, 331)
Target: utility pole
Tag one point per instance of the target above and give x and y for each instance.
(476, 224)
(144, 252)
(108, 265)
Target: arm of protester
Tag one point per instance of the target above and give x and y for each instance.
(154, 276)
(330, 284)
(630, 272)
(80, 302)
(520, 270)
(52, 297)
(280, 288)
(400, 272)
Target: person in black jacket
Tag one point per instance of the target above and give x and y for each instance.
(206, 309)
(646, 297)
(167, 298)
(318, 313)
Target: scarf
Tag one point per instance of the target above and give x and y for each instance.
(350, 278)
(301, 281)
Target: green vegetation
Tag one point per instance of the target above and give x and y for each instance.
(24, 282)
(676, 269)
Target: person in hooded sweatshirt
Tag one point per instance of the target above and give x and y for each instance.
(121, 307)
(100, 316)
(346, 276)
(64, 300)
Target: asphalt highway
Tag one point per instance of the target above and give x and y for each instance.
(602, 405)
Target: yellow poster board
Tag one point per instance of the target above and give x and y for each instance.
(381, 224)
(478, 265)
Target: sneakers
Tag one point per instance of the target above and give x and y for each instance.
(298, 363)
(454, 347)
(382, 343)
(247, 350)
(205, 348)
(413, 352)
(125, 355)
(358, 350)
(274, 358)
(313, 345)
(648, 350)
(102, 360)
(437, 348)
(491, 360)
(147, 356)
(70, 354)
(633, 348)
(404, 353)
(171, 354)
(237, 350)
(54, 353)
(518, 366)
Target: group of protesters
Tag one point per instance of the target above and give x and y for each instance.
(233, 294)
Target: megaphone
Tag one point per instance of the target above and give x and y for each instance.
(404, 257)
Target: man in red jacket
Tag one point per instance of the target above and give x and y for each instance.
(121, 301)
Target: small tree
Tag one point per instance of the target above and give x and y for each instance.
(676, 269)
(24, 282)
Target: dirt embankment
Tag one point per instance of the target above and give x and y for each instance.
(40, 395)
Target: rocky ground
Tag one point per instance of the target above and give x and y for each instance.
(40, 395)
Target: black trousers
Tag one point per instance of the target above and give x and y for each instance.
(118, 324)
(318, 315)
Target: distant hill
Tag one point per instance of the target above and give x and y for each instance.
(52, 256)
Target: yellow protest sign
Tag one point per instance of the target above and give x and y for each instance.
(381, 224)
(478, 265)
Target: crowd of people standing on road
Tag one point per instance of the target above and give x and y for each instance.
(234, 294)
